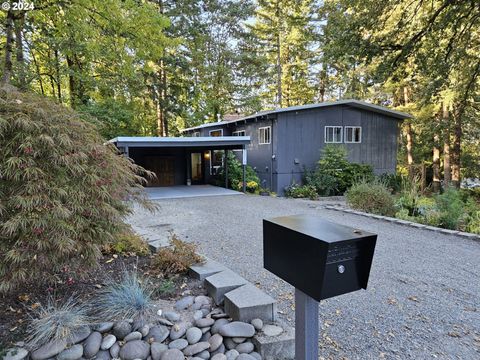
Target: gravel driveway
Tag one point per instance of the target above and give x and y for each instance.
(423, 299)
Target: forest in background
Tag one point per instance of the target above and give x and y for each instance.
(155, 67)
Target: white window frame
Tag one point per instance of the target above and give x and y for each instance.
(196, 134)
(210, 132)
(333, 142)
(236, 133)
(353, 127)
(262, 141)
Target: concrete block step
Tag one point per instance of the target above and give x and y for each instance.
(219, 284)
(208, 268)
(248, 302)
(280, 347)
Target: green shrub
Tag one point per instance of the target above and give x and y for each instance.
(371, 196)
(392, 181)
(62, 191)
(473, 224)
(409, 196)
(177, 258)
(235, 175)
(301, 191)
(451, 208)
(334, 174)
(56, 321)
(127, 243)
(130, 298)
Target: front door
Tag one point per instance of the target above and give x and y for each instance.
(164, 168)
(197, 168)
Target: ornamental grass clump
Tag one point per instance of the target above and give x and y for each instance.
(129, 298)
(62, 190)
(371, 196)
(56, 321)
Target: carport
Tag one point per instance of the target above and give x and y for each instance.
(183, 160)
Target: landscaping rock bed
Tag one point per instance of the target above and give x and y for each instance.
(191, 328)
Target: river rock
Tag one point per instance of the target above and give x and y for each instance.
(245, 348)
(219, 357)
(157, 333)
(204, 322)
(49, 350)
(172, 354)
(219, 316)
(272, 330)
(103, 327)
(73, 353)
(92, 345)
(115, 350)
(136, 335)
(203, 355)
(245, 357)
(79, 334)
(103, 355)
(108, 342)
(196, 348)
(144, 330)
(218, 324)
(136, 349)
(16, 354)
(157, 349)
(184, 303)
(215, 342)
(179, 344)
(256, 355)
(237, 329)
(171, 315)
(229, 343)
(165, 322)
(121, 329)
(193, 335)
(178, 330)
(239, 340)
(232, 354)
(257, 324)
(220, 350)
(205, 330)
(197, 315)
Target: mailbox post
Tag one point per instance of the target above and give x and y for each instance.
(321, 259)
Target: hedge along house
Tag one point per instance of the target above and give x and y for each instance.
(285, 141)
(181, 160)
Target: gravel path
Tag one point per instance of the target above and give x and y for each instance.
(423, 299)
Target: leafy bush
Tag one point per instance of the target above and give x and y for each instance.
(235, 175)
(127, 243)
(62, 191)
(56, 322)
(130, 298)
(409, 196)
(451, 207)
(473, 224)
(371, 196)
(301, 191)
(334, 174)
(177, 258)
(392, 181)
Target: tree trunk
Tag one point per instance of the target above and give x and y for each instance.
(7, 66)
(279, 57)
(409, 135)
(456, 148)
(39, 75)
(58, 79)
(19, 55)
(436, 163)
(72, 86)
(157, 94)
(164, 98)
(447, 172)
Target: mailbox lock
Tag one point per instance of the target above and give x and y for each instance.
(341, 269)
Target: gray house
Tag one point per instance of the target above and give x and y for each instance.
(284, 141)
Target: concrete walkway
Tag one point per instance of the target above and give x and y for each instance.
(423, 297)
(183, 191)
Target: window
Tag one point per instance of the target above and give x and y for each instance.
(353, 134)
(264, 134)
(217, 132)
(196, 134)
(238, 133)
(216, 161)
(333, 134)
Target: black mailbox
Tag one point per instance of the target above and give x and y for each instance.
(320, 258)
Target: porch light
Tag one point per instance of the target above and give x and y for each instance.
(207, 155)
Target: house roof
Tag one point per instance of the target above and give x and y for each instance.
(354, 103)
(204, 141)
